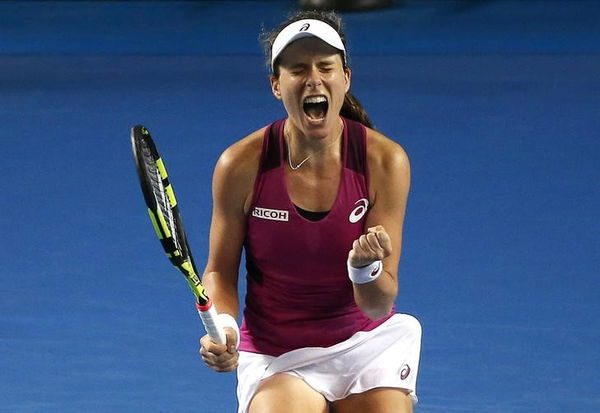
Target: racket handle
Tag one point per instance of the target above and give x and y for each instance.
(208, 315)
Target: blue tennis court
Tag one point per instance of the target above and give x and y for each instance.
(496, 103)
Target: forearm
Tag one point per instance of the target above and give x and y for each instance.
(223, 292)
(376, 298)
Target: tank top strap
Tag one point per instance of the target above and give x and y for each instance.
(355, 137)
(272, 154)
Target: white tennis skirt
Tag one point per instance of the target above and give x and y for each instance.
(387, 356)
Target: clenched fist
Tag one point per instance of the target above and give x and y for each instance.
(372, 246)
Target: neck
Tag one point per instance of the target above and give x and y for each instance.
(302, 145)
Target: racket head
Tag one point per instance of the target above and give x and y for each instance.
(162, 207)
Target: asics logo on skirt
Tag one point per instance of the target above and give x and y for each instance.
(358, 212)
(404, 372)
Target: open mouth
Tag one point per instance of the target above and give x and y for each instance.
(315, 107)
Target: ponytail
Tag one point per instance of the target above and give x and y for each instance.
(353, 110)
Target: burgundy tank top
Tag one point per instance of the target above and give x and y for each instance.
(298, 291)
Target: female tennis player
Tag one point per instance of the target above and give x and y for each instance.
(317, 200)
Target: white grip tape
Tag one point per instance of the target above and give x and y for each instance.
(213, 325)
(365, 274)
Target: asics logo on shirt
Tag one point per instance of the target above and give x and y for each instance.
(358, 212)
(271, 214)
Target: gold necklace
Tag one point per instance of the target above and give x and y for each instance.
(290, 157)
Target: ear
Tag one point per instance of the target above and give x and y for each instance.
(275, 86)
(348, 77)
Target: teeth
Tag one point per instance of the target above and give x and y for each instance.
(315, 99)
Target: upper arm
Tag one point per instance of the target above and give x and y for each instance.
(389, 183)
(233, 181)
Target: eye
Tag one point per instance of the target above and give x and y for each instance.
(296, 70)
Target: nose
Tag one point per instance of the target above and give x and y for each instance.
(314, 78)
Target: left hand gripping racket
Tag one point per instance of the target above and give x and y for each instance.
(166, 220)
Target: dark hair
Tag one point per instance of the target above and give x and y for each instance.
(351, 108)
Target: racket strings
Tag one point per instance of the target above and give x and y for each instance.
(160, 193)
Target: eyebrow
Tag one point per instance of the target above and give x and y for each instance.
(327, 61)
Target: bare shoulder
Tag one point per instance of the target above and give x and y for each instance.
(240, 160)
(384, 156)
(235, 173)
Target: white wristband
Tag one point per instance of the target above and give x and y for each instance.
(366, 274)
(227, 320)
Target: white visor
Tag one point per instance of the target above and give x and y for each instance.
(306, 28)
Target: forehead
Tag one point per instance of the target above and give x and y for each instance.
(307, 49)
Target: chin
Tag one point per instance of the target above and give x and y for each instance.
(320, 128)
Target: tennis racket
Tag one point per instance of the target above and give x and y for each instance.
(166, 220)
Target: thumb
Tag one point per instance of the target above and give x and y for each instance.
(231, 340)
